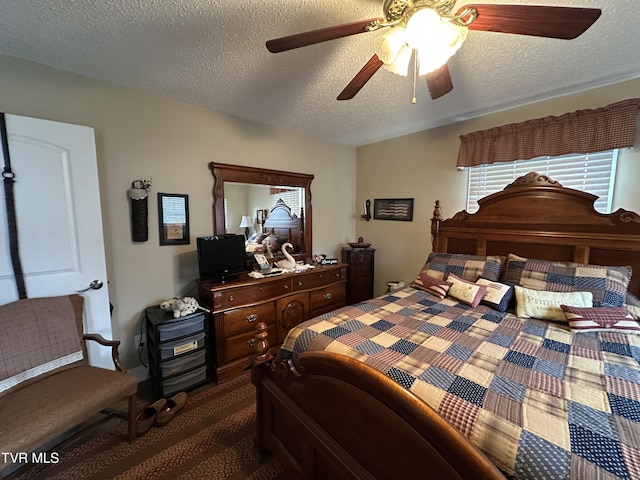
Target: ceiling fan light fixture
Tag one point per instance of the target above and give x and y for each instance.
(388, 45)
(400, 64)
(434, 38)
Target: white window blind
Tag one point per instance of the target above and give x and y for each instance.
(291, 197)
(594, 173)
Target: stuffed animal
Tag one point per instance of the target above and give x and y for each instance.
(181, 306)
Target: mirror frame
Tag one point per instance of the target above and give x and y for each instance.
(223, 172)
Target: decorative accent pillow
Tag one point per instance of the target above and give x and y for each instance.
(434, 286)
(467, 292)
(498, 295)
(608, 284)
(633, 306)
(596, 319)
(546, 305)
(275, 243)
(468, 267)
(256, 238)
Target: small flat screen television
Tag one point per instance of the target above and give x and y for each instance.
(221, 257)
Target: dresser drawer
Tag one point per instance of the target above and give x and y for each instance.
(237, 297)
(327, 299)
(180, 328)
(316, 279)
(240, 346)
(184, 345)
(183, 382)
(184, 363)
(246, 318)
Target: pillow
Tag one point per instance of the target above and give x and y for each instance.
(608, 284)
(600, 319)
(633, 306)
(275, 243)
(546, 305)
(497, 296)
(256, 238)
(468, 267)
(467, 292)
(434, 286)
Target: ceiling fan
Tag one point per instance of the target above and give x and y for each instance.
(428, 32)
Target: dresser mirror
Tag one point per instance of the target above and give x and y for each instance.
(249, 201)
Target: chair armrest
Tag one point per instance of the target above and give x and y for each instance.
(114, 344)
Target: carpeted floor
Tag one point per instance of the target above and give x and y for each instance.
(211, 438)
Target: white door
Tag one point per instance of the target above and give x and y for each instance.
(59, 220)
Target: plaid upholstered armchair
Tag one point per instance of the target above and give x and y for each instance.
(47, 386)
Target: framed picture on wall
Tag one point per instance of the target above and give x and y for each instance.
(173, 218)
(393, 209)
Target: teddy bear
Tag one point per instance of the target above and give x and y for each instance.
(181, 306)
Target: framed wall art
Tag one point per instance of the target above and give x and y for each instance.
(393, 209)
(173, 218)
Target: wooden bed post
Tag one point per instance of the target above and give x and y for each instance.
(435, 224)
(259, 365)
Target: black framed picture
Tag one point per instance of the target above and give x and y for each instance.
(393, 209)
(173, 218)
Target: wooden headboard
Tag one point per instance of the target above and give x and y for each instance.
(536, 217)
(283, 223)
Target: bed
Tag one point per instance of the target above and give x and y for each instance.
(420, 383)
(280, 226)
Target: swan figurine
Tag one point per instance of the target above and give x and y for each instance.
(289, 261)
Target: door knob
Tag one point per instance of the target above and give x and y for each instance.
(94, 285)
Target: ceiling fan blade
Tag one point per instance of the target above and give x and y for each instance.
(540, 21)
(439, 82)
(317, 36)
(362, 77)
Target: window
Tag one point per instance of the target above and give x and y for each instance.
(292, 197)
(594, 173)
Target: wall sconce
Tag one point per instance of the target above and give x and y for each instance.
(367, 210)
(138, 194)
(245, 223)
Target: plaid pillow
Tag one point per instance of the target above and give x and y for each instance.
(468, 267)
(608, 284)
(600, 319)
(633, 305)
(436, 287)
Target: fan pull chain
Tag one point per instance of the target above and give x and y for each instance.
(415, 73)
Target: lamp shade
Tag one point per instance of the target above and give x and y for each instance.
(245, 222)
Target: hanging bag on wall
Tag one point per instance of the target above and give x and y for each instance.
(9, 179)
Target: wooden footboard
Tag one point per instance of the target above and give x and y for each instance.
(340, 418)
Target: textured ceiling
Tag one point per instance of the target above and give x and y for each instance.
(211, 53)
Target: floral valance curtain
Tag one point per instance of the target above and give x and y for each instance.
(582, 131)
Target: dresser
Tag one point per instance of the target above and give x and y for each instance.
(281, 302)
(359, 273)
(177, 350)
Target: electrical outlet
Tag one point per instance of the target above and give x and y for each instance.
(140, 339)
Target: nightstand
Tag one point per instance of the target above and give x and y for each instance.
(359, 273)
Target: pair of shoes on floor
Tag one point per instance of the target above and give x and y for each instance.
(172, 406)
(159, 413)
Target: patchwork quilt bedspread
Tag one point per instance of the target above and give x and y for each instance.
(537, 399)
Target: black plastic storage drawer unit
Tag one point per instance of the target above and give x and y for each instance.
(177, 351)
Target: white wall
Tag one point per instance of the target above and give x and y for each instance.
(423, 166)
(139, 135)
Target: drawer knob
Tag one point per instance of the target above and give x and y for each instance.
(252, 317)
(252, 343)
(327, 296)
(299, 283)
(231, 298)
(286, 286)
